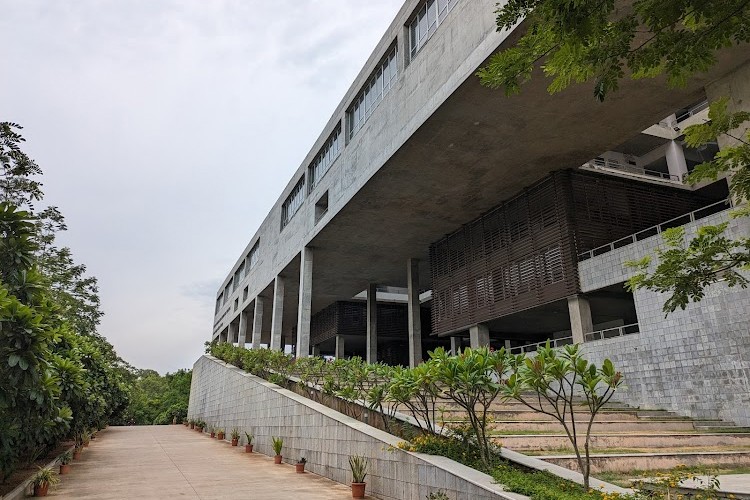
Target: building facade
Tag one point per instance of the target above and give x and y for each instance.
(432, 211)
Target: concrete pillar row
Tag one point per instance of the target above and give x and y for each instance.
(340, 347)
(257, 322)
(479, 336)
(414, 313)
(304, 306)
(223, 335)
(580, 317)
(372, 323)
(233, 333)
(242, 336)
(315, 350)
(455, 345)
(277, 312)
(676, 163)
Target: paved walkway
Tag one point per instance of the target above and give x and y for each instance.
(729, 483)
(157, 462)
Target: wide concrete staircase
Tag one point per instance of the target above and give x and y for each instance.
(623, 439)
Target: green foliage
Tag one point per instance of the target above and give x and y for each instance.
(358, 465)
(156, 399)
(249, 438)
(600, 41)
(45, 475)
(277, 444)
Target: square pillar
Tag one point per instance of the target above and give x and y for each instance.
(507, 345)
(455, 345)
(233, 333)
(242, 336)
(676, 163)
(315, 350)
(372, 323)
(580, 317)
(415, 316)
(479, 336)
(223, 335)
(340, 342)
(277, 313)
(257, 322)
(304, 307)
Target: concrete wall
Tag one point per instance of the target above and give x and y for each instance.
(225, 396)
(695, 362)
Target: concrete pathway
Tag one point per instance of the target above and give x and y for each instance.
(738, 484)
(156, 462)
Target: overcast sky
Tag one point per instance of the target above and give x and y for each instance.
(166, 130)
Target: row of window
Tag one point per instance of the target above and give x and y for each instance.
(421, 26)
(234, 282)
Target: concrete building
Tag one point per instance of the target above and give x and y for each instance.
(433, 211)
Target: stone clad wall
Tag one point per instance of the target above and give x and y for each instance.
(225, 396)
(695, 362)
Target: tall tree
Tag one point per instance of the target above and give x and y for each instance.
(603, 42)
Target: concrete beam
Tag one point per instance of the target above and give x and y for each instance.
(372, 323)
(277, 313)
(257, 322)
(580, 317)
(304, 307)
(415, 317)
(479, 336)
(340, 347)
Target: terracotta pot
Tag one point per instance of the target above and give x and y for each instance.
(192, 426)
(277, 459)
(235, 441)
(248, 448)
(85, 444)
(64, 469)
(300, 468)
(77, 454)
(221, 436)
(40, 490)
(213, 435)
(358, 490)
(200, 429)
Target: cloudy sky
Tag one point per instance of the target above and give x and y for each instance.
(166, 130)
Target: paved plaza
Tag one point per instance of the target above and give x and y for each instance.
(157, 462)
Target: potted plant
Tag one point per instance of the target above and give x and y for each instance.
(235, 436)
(278, 443)
(199, 425)
(86, 437)
(185, 422)
(192, 423)
(220, 434)
(213, 431)
(43, 479)
(358, 464)
(65, 460)
(249, 445)
(300, 465)
(77, 452)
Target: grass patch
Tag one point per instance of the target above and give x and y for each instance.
(626, 479)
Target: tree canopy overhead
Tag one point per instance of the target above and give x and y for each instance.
(604, 41)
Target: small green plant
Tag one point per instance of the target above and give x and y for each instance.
(66, 458)
(278, 443)
(302, 460)
(438, 495)
(45, 476)
(358, 464)
(249, 437)
(235, 433)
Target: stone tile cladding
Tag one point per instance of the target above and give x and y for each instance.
(225, 396)
(695, 362)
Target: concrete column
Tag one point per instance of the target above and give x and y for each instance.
(242, 337)
(277, 313)
(223, 335)
(257, 322)
(232, 334)
(315, 350)
(507, 345)
(415, 317)
(676, 160)
(304, 306)
(479, 336)
(372, 323)
(340, 351)
(455, 345)
(580, 317)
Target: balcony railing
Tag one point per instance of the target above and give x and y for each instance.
(693, 110)
(693, 216)
(611, 333)
(605, 163)
(524, 349)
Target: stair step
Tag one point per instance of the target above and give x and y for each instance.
(509, 427)
(656, 441)
(626, 462)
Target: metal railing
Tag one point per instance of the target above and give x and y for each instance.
(610, 333)
(605, 163)
(533, 347)
(693, 110)
(693, 216)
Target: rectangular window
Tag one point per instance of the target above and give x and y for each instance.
(377, 86)
(228, 290)
(425, 22)
(293, 202)
(219, 302)
(325, 158)
(252, 257)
